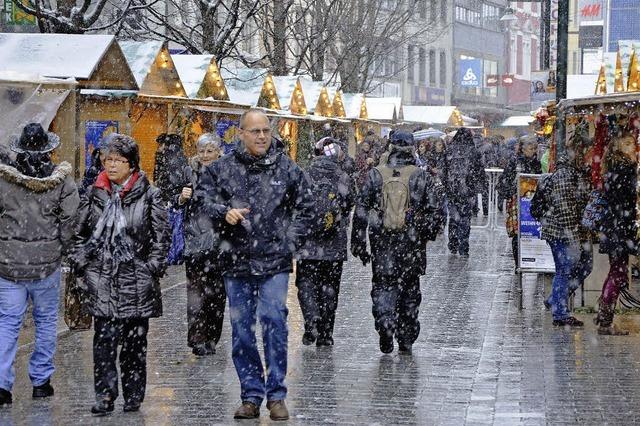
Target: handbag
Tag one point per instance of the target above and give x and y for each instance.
(176, 250)
(595, 211)
(76, 315)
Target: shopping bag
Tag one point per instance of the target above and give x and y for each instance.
(76, 315)
(176, 250)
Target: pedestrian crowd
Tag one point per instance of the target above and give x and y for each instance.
(239, 220)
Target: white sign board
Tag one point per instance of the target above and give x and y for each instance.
(534, 254)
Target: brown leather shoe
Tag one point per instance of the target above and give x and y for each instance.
(278, 410)
(612, 330)
(248, 410)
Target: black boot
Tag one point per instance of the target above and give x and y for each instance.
(5, 397)
(386, 344)
(604, 320)
(102, 407)
(43, 391)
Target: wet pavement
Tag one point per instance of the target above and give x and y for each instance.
(478, 360)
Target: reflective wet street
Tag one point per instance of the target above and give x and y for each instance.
(478, 360)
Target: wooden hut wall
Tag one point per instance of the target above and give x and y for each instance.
(64, 125)
(148, 121)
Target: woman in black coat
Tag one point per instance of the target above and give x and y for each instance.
(618, 231)
(121, 247)
(206, 295)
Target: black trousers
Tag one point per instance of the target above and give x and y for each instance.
(318, 283)
(206, 298)
(396, 300)
(131, 334)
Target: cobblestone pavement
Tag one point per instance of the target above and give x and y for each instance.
(478, 360)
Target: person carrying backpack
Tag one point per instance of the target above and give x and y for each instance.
(567, 193)
(397, 204)
(464, 178)
(320, 259)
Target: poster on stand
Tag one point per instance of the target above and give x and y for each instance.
(534, 254)
(94, 132)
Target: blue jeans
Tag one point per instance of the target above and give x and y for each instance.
(264, 297)
(14, 297)
(566, 257)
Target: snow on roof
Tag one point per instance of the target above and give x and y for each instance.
(35, 78)
(191, 70)
(517, 121)
(285, 85)
(427, 114)
(244, 84)
(53, 55)
(140, 56)
(581, 85)
(383, 108)
(352, 103)
(311, 90)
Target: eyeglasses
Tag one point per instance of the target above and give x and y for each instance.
(258, 132)
(115, 161)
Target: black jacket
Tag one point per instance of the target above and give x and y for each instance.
(618, 234)
(507, 183)
(171, 173)
(394, 252)
(276, 191)
(465, 173)
(133, 289)
(320, 246)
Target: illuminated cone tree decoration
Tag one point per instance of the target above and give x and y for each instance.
(268, 95)
(601, 86)
(633, 82)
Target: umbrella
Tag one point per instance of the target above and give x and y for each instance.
(428, 133)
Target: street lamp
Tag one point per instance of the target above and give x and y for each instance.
(509, 15)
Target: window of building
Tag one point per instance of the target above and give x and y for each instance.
(443, 11)
(432, 68)
(433, 10)
(491, 17)
(422, 9)
(534, 54)
(519, 55)
(489, 68)
(422, 65)
(443, 68)
(410, 63)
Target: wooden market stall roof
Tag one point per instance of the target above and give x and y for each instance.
(95, 61)
(201, 76)
(433, 115)
(291, 94)
(153, 68)
(598, 103)
(355, 105)
(385, 109)
(251, 86)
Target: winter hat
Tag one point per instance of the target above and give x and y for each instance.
(34, 139)
(328, 146)
(401, 139)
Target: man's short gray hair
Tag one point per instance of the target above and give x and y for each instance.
(209, 139)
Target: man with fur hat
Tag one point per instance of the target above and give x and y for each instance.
(397, 204)
(37, 211)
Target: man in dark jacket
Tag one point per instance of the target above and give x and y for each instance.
(398, 252)
(320, 260)
(37, 210)
(464, 177)
(264, 204)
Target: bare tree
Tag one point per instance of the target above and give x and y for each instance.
(74, 16)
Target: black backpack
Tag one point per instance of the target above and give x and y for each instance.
(328, 203)
(541, 203)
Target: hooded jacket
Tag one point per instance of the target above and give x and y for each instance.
(132, 289)
(36, 221)
(276, 191)
(334, 247)
(395, 252)
(465, 173)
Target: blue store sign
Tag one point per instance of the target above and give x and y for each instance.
(470, 72)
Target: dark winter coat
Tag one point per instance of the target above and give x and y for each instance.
(618, 234)
(171, 172)
(493, 155)
(348, 164)
(437, 165)
(276, 191)
(507, 185)
(394, 252)
(569, 190)
(131, 290)
(319, 246)
(465, 174)
(37, 221)
(201, 232)
(91, 174)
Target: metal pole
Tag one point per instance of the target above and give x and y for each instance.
(546, 18)
(561, 74)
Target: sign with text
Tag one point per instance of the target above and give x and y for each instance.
(590, 10)
(94, 133)
(470, 72)
(534, 253)
(16, 16)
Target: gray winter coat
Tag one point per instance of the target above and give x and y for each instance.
(132, 290)
(36, 221)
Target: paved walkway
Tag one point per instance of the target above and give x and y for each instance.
(478, 360)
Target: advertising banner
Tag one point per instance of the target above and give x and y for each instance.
(470, 72)
(227, 129)
(543, 88)
(94, 132)
(534, 254)
(16, 16)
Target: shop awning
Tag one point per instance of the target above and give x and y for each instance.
(437, 115)
(218, 109)
(21, 104)
(517, 121)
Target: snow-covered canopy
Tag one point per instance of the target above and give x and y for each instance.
(353, 104)
(581, 85)
(384, 109)
(53, 55)
(440, 115)
(312, 91)
(192, 70)
(244, 84)
(140, 56)
(517, 121)
(285, 85)
(153, 68)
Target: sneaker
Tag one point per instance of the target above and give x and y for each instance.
(278, 410)
(386, 345)
(248, 410)
(570, 322)
(5, 397)
(308, 338)
(102, 407)
(45, 390)
(131, 406)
